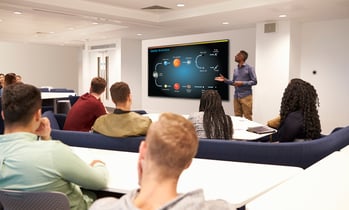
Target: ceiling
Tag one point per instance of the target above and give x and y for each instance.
(73, 22)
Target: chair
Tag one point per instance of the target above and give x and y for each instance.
(73, 99)
(65, 90)
(53, 121)
(22, 200)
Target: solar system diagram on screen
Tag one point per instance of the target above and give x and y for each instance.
(186, 70)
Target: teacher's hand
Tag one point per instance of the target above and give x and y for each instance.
(220, 78)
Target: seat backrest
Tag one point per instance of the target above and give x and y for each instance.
(62, 90)
(20, 200)
(73, 99)
(51, 117)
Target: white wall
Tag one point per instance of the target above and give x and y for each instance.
(321, 46)
(90, 66)
(42, 65)
(325, 48)
(131, 69)
(239, 39)
(124, 65)
(272, 68)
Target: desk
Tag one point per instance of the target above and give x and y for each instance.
(345, 149)
(240, 125)
(236, 182)
(54, 96)
(322, 186)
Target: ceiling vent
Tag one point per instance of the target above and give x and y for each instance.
(105, 46)
(156, 7)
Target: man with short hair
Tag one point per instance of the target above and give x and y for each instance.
(169, 147)
(29, 164)
(244, 78)
(122, 122)
(87, 108)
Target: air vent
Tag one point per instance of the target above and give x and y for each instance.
(105, 46)
(156, 7)
(53, 12)
(269, 27)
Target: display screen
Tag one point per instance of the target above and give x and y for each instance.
(186, 70)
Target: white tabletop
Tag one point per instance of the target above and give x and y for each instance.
(56, 95)
(236, 182)
(345, 149)
(240, 125)
(322, 186)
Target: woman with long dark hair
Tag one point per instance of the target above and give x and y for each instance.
(211, 121)
(299, 118)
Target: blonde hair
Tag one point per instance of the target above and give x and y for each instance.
(172, 143)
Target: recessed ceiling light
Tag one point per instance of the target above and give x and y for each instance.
(282, 16)
(51, 32)
(139, 34)
(17, 13)
(225, 23)
(94, 23)
(180, 5)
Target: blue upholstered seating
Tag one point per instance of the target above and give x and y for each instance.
(300, 154)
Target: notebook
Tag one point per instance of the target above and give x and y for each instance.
(261, 129)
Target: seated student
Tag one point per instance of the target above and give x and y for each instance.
(299, 118)
(211, 121)
(122, 122)
(87, 108)
(29, 164)
(169, 147)
(10, 78)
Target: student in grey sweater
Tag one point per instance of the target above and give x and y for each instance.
(170, 145)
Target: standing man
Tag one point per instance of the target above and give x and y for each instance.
(87, 108)
(243, 79)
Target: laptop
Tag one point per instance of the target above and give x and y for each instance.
(261, 129)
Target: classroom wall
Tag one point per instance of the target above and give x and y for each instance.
(296, 50)
(124, 65)
(131, 66)
(322, 46)
(272, 69)
(325, 49)
(239, 39)
(42, 65)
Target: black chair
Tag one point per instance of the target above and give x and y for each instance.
(73, 99)
(22, 200)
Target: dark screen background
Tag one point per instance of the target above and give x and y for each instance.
(184, 71)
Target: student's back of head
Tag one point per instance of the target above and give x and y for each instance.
(216, 123)
(10, 78)
(98, 85)
(19, 103)
(172, 144)
(119, 92)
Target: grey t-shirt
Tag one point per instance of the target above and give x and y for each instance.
(193, 200)
(197, 118)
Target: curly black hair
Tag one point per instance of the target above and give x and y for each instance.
(217, 124)
(301, 95)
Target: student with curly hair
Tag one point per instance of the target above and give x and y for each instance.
(299, 118)
(211, 121)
